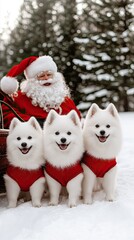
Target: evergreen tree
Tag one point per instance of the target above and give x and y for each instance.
(66, 48)
(108, 62)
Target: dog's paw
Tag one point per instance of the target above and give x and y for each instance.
(71, 205)
(88, 201)
(110, 198)
(36, 204)
(11, 205)
(52, 203)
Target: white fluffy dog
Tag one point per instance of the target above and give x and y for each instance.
(25, 156)
(102, 138)
(63, 149)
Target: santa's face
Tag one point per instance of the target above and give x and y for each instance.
(46, 75)
(47, 90)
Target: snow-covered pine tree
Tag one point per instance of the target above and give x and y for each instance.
(108, 58)
(66, 48)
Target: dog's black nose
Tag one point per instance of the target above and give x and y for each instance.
(102, 132)
(63, 140)
(23, 144)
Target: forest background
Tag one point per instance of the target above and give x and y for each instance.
(91, 41)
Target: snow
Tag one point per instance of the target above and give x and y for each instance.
(88, 64)
(105, 76)
(130, 91)
(124, 49)
(111, 33)
(104, 56)
(80, 63)
(132, 66)
(81, 40)
(100, 41)
(90, 58)
(100, 221)
(123, 72)
(101, 93)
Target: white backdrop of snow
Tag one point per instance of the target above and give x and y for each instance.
(100, 221)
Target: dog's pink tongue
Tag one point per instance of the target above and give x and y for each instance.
(63, 146)
(25, 150)
(102, 139)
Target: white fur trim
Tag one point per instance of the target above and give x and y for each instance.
(9, 85)
(44, 63)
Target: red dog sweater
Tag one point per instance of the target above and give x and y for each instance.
(98, 166)
(25, 178)
(63, 175)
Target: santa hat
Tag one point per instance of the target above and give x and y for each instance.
(31, 66)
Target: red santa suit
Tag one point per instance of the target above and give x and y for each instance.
(63, 175)
(24, 177)
(25, 109)
(31, 67)
(98, 166)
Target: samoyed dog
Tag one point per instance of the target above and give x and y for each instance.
(102, 139)
(63, 150)
(25, 156)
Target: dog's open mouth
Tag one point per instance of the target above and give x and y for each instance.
(25, 150)
(102, 138)
(63, 146)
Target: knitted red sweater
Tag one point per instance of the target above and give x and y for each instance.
(98, 166)
(63, 175)
(25, 178)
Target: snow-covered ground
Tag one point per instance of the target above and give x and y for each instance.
(100, 221)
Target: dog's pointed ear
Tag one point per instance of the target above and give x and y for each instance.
(92, 110)
(13, 124)
(51, 116)
(34, 123)
(112, 109)
(74, 117)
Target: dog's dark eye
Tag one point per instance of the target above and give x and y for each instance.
(29, 137)
(18, 138)
(68, 133)
(97, 125)
(108, 126)
(57, 133)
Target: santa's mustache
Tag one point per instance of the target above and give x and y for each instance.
(48, 81)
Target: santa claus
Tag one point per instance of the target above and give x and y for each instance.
(43, 89)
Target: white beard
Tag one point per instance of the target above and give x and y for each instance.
(46, 97)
